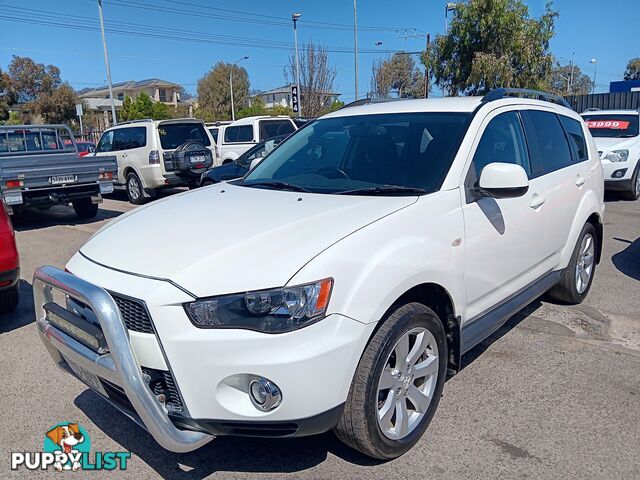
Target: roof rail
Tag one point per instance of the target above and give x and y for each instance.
(368, 100)
(592, 109)
(135, 121)
(499, 93)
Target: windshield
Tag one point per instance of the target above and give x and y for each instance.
(172, 135)
(612, 126)
(412, 151)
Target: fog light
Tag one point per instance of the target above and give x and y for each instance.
(619, 173)
(265, 395)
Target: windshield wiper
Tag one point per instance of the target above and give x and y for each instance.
(278, 185)
(385, 190)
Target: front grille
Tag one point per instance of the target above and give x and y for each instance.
(134, 313)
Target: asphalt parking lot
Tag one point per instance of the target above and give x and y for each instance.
(554, 394)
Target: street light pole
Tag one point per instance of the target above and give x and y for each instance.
(233, 110)
(295, 18)
(106, 61)
(595, 70)
(355, 45)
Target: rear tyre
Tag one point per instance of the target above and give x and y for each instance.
(634, 190)
(397, 385)
(134, 189)
(576, 279)
(9, 300)
(85, 208)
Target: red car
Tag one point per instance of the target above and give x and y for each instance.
(85, 148)
(9, 264)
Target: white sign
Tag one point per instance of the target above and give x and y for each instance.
(79, 109)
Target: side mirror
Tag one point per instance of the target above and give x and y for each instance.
(503, 180)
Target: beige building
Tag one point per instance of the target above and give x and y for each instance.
(159, 90)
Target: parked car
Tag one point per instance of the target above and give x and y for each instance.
(336, 285)
(9, 264)
(241, 165)
(155, 154)
(40, 166)
(215, 128)
(617, 136)
(85, 148)
(241, 135)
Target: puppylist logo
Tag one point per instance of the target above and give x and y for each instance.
(67, 446)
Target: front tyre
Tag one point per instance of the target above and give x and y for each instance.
(397, 385)
(577, 278)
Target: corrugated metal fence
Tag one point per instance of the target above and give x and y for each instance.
(605, 101)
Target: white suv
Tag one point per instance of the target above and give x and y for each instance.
(617, 136)
(336, 284)
(154, 154)
(238, 137)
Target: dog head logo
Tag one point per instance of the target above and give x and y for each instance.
(69, 439)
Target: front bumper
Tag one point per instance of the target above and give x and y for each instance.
(118, 365)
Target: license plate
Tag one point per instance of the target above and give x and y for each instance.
(87, 377)
(106, 187)
(198, 159)
(59, 179)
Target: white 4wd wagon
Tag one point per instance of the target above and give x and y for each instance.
(337, 283)
(617, 136)
(155, 154)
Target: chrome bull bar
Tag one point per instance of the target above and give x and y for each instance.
(118, 365)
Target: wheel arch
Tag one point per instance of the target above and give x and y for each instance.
(594, 219)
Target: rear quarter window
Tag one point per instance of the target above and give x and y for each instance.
(239, 134)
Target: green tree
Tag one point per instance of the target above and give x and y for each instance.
(58, 106)
(397, 73)
(214, 94)
(633, 69)
(160, 111)
(30, 79)
(143, 107)
(493, 43)
(563, 83)
(6, 96)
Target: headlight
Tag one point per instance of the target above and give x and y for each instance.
(617, 155)
(270, 311)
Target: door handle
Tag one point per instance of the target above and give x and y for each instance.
(537, 201)
(580, 181)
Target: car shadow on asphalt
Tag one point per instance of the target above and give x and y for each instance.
(628, 260)
(222, 454)
(23, 314)
(32, 219)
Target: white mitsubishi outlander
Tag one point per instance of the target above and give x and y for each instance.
(336, 285)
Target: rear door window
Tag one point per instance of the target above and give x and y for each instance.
(214, 134)
(239, 134)
(547, 142)
(273, 128)
(129, 138)
(172, 135)
(576, 138)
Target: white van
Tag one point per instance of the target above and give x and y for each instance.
(154, 154)
(241, 135)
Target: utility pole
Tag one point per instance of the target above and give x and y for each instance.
(595, 70)
(106, 61)
(573, 54)
(295, 18)
(355, 44)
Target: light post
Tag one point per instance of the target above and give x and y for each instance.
(449, 7)
(595, 70)
(233, 110)
(355, 45)
(295, 17)
(106, 62)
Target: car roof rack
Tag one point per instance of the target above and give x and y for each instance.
(369, 100)
(499, 93)
(135, 121)
(592, 109)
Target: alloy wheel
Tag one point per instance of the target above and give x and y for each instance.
(584, 266)
(407, 383)
(134, 188)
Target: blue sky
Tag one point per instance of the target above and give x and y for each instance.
(607, 31)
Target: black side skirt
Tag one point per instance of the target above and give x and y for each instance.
(479, 328)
